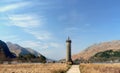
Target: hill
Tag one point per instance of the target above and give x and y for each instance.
(19, 50)
(106, 56)
(5, 52)
(92, 50)
(26, 54)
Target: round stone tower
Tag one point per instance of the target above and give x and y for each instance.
(68, 53)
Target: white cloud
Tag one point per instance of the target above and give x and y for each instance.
(25, 21)
(32, 44)
(13, 6)
(30, 24)
(40, 35)
(10, 38)
(39, 45)
(55, 45)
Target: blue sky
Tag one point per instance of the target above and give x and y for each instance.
(44, 25)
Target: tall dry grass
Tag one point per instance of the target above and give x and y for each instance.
(33, 68)
(100, 68)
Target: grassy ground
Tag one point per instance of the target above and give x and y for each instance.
(100, 68)
(33, 68)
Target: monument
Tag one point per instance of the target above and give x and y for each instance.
(68, 53)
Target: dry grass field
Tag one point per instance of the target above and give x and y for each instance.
(33, 68)
(100, 68)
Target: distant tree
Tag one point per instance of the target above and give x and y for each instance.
(26, 57)
(32, 58)
(42, 59)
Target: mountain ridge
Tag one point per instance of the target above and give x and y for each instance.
(4, 50)
(19, 50)
(92, 50)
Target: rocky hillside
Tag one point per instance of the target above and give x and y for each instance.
(4, 51)
(18, 50)
(9, 50)
(92, 50)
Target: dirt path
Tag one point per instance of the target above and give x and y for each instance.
(74, 69)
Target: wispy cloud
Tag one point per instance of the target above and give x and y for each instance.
(32, 44)
(13, 6)
(40, 35)
(25, 20)
(71, 18)
(30, 24)
(54, 45)
(40, 45)
(10, 38)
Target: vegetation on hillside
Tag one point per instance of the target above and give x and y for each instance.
(19, 54)
(106, 56)
(31, 58)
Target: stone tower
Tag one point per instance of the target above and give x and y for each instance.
(68, 53)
